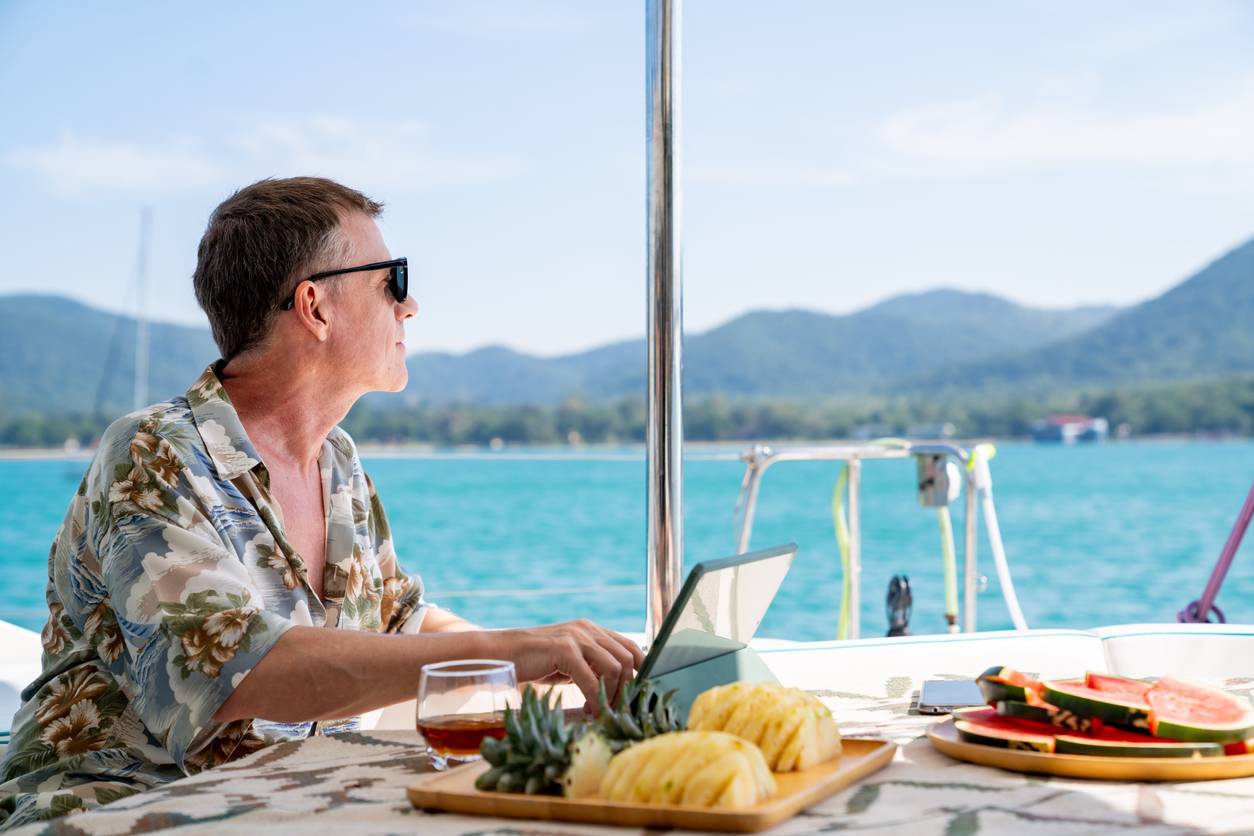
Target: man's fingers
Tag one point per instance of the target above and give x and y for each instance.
(633, 649)
(626, 664)
(606, 665)
(582, 674)
(554, 679)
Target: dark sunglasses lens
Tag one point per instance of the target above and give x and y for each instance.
(400, 282)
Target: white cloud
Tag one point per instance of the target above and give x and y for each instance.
(398, 155)
(1059, 126)
(990, 130)
(1149, 33)
(74, 165)
(393, 154)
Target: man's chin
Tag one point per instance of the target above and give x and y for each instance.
(398, 383)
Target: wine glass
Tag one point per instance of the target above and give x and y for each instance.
(462, 702)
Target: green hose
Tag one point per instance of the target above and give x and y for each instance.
(842, 543)
(841, 524)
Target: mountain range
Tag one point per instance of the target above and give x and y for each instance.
(60, 356)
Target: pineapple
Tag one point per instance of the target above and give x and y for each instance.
(792, 728)
(641, 714)
(703, 769)
(541, 754)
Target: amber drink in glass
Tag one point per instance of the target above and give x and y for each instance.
(462, 702)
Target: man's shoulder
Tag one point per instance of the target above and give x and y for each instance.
(166, 426)
(170, 420)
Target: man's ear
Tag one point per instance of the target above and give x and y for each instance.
(312, 310)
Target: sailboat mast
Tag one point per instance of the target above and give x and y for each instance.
(141, 311)
(664, 436)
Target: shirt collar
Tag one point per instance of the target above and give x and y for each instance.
(219, 426)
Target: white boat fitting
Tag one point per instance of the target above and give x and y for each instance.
(1219, 654)
(20, 656)
(1214, 653)
(944, 470)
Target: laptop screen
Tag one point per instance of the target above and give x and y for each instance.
(719, 608)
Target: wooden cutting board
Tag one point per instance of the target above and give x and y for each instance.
(454, 791)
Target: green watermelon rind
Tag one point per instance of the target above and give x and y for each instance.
(1196, 732)
(1065, 744)
(1125, 715)
(1060, 718)
(995, 688)
(1203, 732)
(972, 733)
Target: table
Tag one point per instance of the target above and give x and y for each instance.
(355, 784)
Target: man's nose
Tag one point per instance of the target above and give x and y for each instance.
(408, 308)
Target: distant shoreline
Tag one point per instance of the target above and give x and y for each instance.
(617, 451)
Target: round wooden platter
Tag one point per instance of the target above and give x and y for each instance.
(945, 737)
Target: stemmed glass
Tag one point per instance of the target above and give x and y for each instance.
(462, 702)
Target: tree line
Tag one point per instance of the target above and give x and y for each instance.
(1223, 407)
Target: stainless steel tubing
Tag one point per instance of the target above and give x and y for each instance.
(754, 481)
(665, 431)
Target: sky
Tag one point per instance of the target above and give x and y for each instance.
(834, 153)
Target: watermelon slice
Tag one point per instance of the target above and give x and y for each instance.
(1145, 747)
(1241, 747)
(1001, 683)
(1043, 712)
(990, 727)
(1194, 712)
(984, 727)
(1132, 690)
(1120, 708)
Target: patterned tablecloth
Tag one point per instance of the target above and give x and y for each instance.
(355, 784)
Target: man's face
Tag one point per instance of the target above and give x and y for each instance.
(368, 331)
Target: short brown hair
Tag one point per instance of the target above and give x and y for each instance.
(260, 243)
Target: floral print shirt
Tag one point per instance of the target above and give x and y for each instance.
(170, 578)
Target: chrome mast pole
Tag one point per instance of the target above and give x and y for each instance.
(664, 435)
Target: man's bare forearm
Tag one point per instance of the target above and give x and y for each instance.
(313, 673)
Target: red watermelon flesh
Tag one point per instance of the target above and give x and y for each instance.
(989, 717)
(1120, 687)
(1241, 747)
(1173, 698)
(1198, 712)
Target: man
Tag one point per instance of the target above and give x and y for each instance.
(218, 538)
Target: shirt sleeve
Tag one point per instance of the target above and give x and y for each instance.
(192, 621)
(403, 607)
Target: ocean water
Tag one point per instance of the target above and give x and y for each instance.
(1095, 535)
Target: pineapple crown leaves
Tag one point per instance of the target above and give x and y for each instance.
(642, 713)
(535, 750)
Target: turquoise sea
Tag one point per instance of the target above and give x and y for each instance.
(1103, 534)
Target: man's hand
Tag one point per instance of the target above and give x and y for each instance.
(580, 650)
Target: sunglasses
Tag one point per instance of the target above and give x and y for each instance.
(398, 278)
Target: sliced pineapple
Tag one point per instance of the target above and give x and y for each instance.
(626, 779)
(673, 783)
(792, 728)
(706, 769)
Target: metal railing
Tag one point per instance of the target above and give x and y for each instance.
(759, 458)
